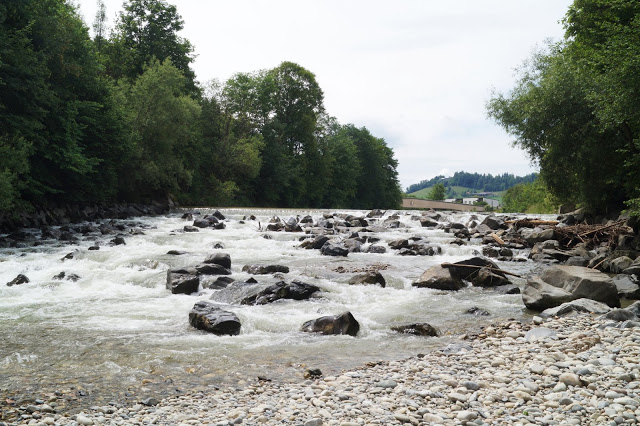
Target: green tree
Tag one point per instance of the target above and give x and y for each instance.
(437, 192)
(166, 141)
(529, 198)
(147, 30)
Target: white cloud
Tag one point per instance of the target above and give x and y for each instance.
(416, 73)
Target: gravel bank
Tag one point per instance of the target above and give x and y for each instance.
(575, 370)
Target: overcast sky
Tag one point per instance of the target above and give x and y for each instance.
(415, 72)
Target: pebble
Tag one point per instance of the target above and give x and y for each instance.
(500, 378)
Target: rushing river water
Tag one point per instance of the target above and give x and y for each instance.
(118, 334)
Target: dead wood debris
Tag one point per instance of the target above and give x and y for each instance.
(592, 235)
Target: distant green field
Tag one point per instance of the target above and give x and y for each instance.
(459, 191)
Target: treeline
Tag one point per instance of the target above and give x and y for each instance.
(121, 117)
(575, 108)
(480, 182)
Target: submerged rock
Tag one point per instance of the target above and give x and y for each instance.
(209, 317)
(417, 329)
(265, 269)
(344, 323)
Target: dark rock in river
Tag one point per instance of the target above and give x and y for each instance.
(212, 269)
(474, 310)
(176, 252)
(337, 324)
(222, 259)
(188, 228)
(368, 278)
(218, 215)
(376, 249)
(20, 279)
(439, 278)
(265, 269)
(201, 223)
(118, 241)
(560, 284)
(209, 317)
(330, 249)
(62, 275)
(218, 283)
(296, 291)
(182, 281)
(417, 329)
(428, 223)
(481, 272)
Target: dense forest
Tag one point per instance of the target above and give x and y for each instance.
(121, 117)
(575, 109)
(480, 182)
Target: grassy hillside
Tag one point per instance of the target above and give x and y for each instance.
(456, 192)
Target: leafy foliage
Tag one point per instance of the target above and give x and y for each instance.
(575, 108)
(530, 197)
(437, 192)
(121, 118)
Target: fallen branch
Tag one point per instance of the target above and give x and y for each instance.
(455, 265)
(498, 239)
(531, 223)
(602, 228)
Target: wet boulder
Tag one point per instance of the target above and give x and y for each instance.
(318, 242)
(296, 290)
(426, 222)
(218, 215)
(493, 222)
(368, 278)
(353, 245)
(479, 312)
(212, 269)
(189, 228)
(329, 249)
(376, 249)
(538, 235)
(265, 269)
(398, 244)
(213, 319)
(619, 264)
(222, 259)
(217, 283)
(20, 279)
(417, 329)
(481, 272)
(183, 281)
(561, 284)
(176, 252)
(201, 223)
(344, 323)
(439, 278)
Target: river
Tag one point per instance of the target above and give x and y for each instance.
(118, 335)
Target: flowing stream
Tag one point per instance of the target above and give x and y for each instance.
(118, 335)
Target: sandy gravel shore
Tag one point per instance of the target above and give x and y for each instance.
(578, 370)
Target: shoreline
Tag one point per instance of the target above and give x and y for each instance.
(573, 370)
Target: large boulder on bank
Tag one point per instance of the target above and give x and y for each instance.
(368, 278)
(265, 269)
(628, 287)
(344, 323)
(417, 329)
(578, 305)
(281, 290)
(209, 317)
(183, 281)
(561, 284)
(439, 278)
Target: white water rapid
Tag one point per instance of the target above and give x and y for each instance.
(118, 333)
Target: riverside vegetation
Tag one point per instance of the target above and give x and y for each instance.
(121, 118)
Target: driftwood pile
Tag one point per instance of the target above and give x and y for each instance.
(592, 235)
